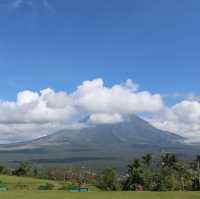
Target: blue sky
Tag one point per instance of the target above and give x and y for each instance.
(58, 44)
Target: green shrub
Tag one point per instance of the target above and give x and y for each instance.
(22, 186)
(1, 184)
(67, 186)
(107, 181)
(47, 186)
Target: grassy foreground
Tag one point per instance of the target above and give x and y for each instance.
(98, 195)
(15, 185)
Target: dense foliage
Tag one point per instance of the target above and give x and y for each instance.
(166, 174)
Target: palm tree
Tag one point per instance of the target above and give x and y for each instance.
(168, 160)
(198, 162)
(147, 160)
(198, 168)
(135, 179)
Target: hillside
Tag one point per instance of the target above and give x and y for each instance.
(113, 144)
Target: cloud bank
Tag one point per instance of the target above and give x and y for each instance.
(183, 118)
(36, 113)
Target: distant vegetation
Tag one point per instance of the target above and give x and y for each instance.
(145, 174)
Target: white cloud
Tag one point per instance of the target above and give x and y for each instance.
(94, 97)
(183, 118)
(27, 97)
(103, 118)
(20, 132)
(37, 113)
(32, 107)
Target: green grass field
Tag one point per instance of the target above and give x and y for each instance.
(97, 195)
(15, 185)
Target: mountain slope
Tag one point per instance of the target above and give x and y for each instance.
(114, 143)
(132, 131)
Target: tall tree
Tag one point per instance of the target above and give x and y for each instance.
(147, 160)
(196, 180)
(147, 171)
(135, 179)
(108, 180)
(168, 160)
(24, 169)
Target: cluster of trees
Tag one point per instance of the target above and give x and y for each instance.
(69, 175)
(166, 174)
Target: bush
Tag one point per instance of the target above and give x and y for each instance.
(24, 169)
(22, 186)
(47, 186)
(4, 170)
(107, 181)
(67, 186)
(1, 184)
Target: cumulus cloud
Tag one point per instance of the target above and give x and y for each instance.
(104, 118)
(31, 107)
(34, 113)
(94, 97)
(26, 97)
(183, 118)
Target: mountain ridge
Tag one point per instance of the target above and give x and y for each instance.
(99, 144)
(133, 127)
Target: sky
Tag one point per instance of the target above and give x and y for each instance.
(74, 51)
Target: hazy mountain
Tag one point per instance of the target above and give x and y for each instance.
(99, 144)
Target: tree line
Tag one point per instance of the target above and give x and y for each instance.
(144, 174)
(167, 174)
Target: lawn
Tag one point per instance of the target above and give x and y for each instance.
(15, 185)
(97, 195)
